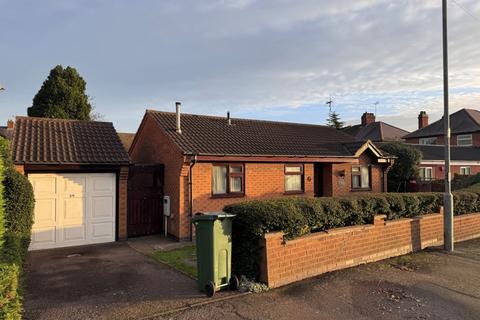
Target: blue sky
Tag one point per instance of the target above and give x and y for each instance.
(267, 59)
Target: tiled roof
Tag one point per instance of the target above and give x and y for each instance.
(462, 121)
(376, 132)
(127, 139)
(58, 141)
(208, 135)
(457, 153)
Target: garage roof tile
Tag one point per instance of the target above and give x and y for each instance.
(60, 141)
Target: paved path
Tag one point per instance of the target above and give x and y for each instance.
(426, 285)
(111, 281)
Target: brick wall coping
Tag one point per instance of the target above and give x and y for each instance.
(377, 219)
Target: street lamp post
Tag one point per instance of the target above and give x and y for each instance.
(447, 197)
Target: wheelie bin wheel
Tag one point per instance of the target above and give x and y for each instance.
(234, 283)
(210, 289)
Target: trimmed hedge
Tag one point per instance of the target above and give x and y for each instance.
(299, 216)
(16, 208)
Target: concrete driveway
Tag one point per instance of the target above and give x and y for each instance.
(110, 281)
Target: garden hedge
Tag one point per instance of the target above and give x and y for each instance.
(299, 216)
(16, 219)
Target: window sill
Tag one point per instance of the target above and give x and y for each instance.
(288, 193)
(227, 195)
(360, 189)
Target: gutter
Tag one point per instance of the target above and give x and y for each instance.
(190, 194)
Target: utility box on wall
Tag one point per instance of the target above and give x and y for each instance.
(166, 206)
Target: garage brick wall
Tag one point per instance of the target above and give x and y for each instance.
(122, 202)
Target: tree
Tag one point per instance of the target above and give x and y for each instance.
(334, 120)
(405, 167)
(62, 95)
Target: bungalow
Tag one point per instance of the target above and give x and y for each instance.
(210, 162)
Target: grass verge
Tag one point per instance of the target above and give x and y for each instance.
(183, 259)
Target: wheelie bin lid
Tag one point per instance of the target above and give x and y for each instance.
(210, 216)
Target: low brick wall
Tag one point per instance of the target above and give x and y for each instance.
(284, 262)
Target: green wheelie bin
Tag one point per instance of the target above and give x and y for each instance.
(213, 233)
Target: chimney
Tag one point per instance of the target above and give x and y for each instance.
(368, 118)
(228, 118)
(422, 119)
(178, 129)
(10, 124)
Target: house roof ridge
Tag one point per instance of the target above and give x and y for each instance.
(242, 119)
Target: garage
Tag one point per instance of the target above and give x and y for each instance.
(79, 174)
(73, 209)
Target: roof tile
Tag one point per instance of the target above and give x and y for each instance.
(59, 141)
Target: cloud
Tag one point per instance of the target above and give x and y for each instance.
(257, 58)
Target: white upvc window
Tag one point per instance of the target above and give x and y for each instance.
(294, 178)
(430, 140)
(361, 177)
(464, 140)
(465, 171)
(426, 173)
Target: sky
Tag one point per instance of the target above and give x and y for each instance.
(263, 59)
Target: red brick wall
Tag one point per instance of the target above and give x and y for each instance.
(285, 262)
(122, 203)
(152, 146)
(340, 182)
(262, 181)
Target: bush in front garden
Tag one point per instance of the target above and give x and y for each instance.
(299, 216)
(16, 218)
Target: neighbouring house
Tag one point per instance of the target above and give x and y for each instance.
(126, 139)
(464, 161)
(375, 131)
(79, 171)
(210, 162)
(465, 142)
(7, 131)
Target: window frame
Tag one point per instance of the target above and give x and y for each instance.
(433, 139)
(229, 174)
(360, 188)
(462, 136)
(301, 174)
(424, 170)
(464, 173)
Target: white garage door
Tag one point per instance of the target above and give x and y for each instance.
(73, 209)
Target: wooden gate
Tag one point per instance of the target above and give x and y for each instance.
(145, 200)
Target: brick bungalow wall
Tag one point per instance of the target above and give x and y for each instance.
(262, 181)
(337, 177)
(290, 261)
(150, 150)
